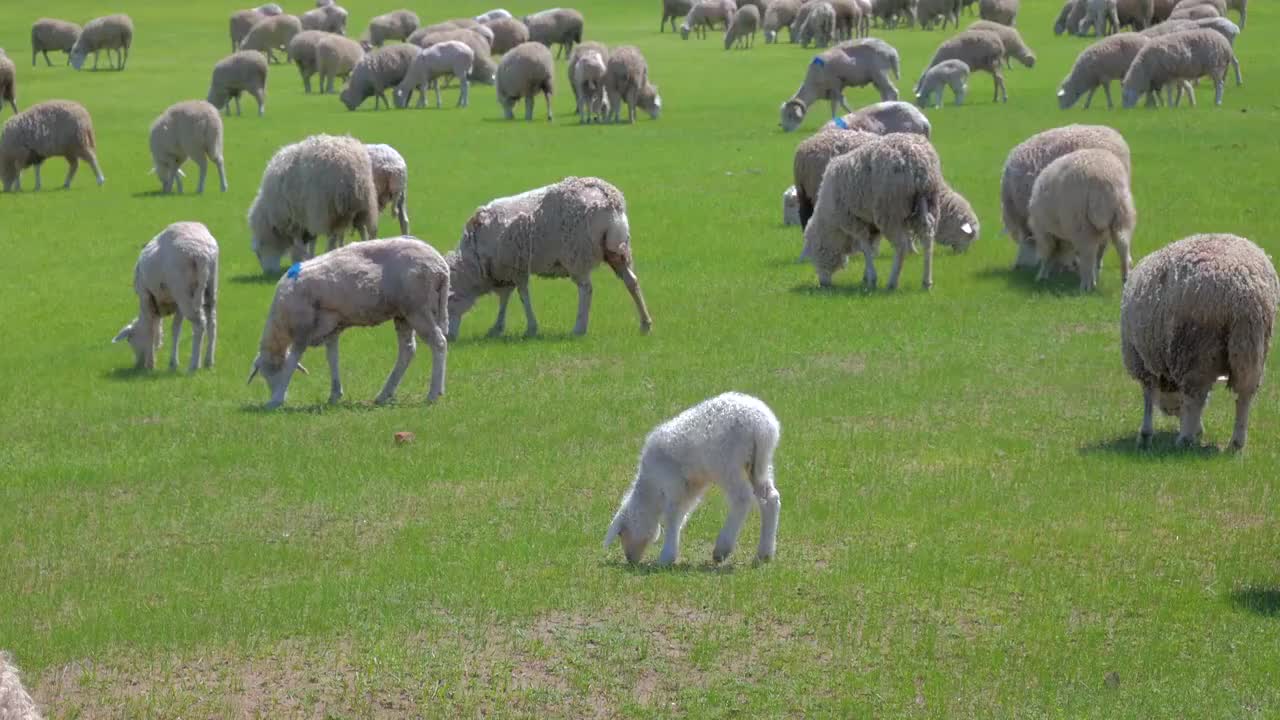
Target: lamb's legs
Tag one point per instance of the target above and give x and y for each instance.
(1148, 421)
(770, 510)
(433, 335)
(173, 341)
(435, 85)
(584, 305)
(73, 164)
(615, 109)
(627, 275)
(1089, 98)
(1191, 425)
(500, 324)
(404, 334)
(531, 322)
(335, 240)
(222, 173)
(739, 495)
(671, 544)
(335, 380)
(1241, 434)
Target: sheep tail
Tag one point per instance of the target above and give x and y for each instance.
(761, 470)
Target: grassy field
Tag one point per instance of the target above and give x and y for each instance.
(967, 530)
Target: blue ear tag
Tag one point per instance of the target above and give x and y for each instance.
(819, 61)
(294, 269)
(840, 123)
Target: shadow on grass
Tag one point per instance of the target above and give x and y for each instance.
(680, 568)
(514, 337)
(135, 374)
(856, 290)
(1061, 283)
(1263, 601)
(1163, 444)
(345, 406)
(154, 194)
(256, 279)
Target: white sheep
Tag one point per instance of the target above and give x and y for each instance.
(948, 73)
(1004, 12)
(50, 34)
(242, 21)
(270, 34)
(886, 117)
(111, 32)
(524, 72)
(187, 130)
(673, 10)
(1222, 25)
(1197, 11)
(15, 701)
(400, 279)
(812, 156)
(8, 82)
(391, 180)
(742, 29)
(580, 51)
(1015, 48)
(1097, 65)
(929, 12)
(176, 274)
(322, 185)
(980, 50)
(376, 72)
(558, 26)
(325, 18)
(1080, 202)
(55, 128)
(1184, 56)
(587, 75)
(395, 25)
(728, 440)
(240, 72)
(483, 68)
(336, 57)
(854, 64)
(705, 14)
(819, 25)
(302, 52)
(779, 14)
(561, 230)
(1192, 312)
(444, 59)
(627, 81)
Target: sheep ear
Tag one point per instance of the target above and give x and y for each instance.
(967, 228)
(125, 333)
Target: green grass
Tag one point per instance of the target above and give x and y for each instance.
(967, 531)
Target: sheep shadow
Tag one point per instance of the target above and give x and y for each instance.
(1163, 445)
(137, 374)
(857, 290)
(1264, 601)
(345, 406)
(256, 279)
(1024, 280)
(515, 337)
(680, 568)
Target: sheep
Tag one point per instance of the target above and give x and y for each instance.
(1103, 18)
(1097, 65)
(401, 279)
(524, 72)
(302, 52)
(1014, 46)
(1178, 57)
(446, 58)
(928, 12)
(322, 185)
(779, 14)
(742, 29)
(395, 25)
(242, 21)
(375, 72)
(336, 57)
(50, 34)
(55, 128)
(1072, 14)
(190, 129)
(948, 73)
(728, 440)
(1194, 12)
(848, 18)
(492, 15)
(1241, 6)
(1004, 12)
(507, 33)
(587, 77)
(15, 702)
(176, 274)
(891, 186)
(580, 51)
(980, 50)
(271, 34)
(883, 118)
(1134, 13)
(8, 83)
(561, 26)
(673, 10)
(1193, 312)
(483, 68)
(854, 64)
(958, 226)
(111, 32)
(627, 81)
(243, 71)
(1222, 25)
(391, 180)
(325, 18)
(812, 156)
(790, 206)
(560, 230)
(1081, 201)
(889, 12)
(705, 14)
(819, 25)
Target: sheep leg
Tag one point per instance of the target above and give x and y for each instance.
(433, 336)
(260, 95)
(1235, 63)
(37, 168)
(335, 240)
(869, 279)
(1241, 433)
(584, 304)
(422, 99)
(173, 341)
(404, 334)
(211, 327)
(500, 324)
(92, 159)
(203, 163)
(623, 270)
(73, 164)
(1106, 89)
(222, 173)
(899, 255)
(615, 108)
(1088, 269)
(770, 510)
(1191, 419)
(464, 97)
(402, 215)
(235, 97)
(928, 263)
(95, 59)
(528, 108)
(335, 380)
(671, 544)
(531, 322)
(47, 61)
(739, 496)
(197, 318)
(1148, 420)
(1001, 93)
(546, 95)
(1218, 84)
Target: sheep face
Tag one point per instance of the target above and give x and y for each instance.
(144, 341)
(957, 232)
(650, 101)
(1129, 97)
(1067, 96)
(351, 97)
(273, 372)
(1170, 403)
(792, 113)
(483, 70)
(636, 536)
(77, 58)
(268, 258)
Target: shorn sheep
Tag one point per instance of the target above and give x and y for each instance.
(391, 180)
(627, 81)
(8, 83)
(742, 29)
(50, 34)
(55, 128)
(444, 59)
(1181, 56)
(779, 14)
(1097, 65)
(948, 73)
(1225, 27)
(112, 32)
(980, 50)
(322, 185)
(1015, 48)
(242, 21)
(176, 274)
(854, 64)
(887, 117)
(524, 72)
(242, 72)
(187, 130)
(1192, 312)
(271, 34)
(728, 440)
(336, 57)
(400, 279)
(1081, 202)
(819, 26)
(15, 701)
(561, 230)
(559, 26)
(376, 72)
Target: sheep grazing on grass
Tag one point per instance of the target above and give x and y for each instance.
(483, 68)
(1194, 12)
(1193, 312)
(242, 21)
(507, 34)
(587, 70)
(1184, 56)
(524, 72)
(56, 35)
(728, 440)
(1014, 46)
(854, 64)
(958, 226)
(892, 12)
(1221, 25)
(15, 702)
(580, 51)
(322, 185)
(400, 279)
(445, 59)
(395, 25)
(560, 26)
(561, 230)
(376, 72)
(948, 73)
(742, 29)
(892, 187)
(187, 130)
(271, 34)
(1080, 202)
(336, 57)
(241, 72)
(391, 180)
(55, 128)
(779, 14)
(673, 10)
(980, 50)
(813, 154)
(1097, 65)
(176, 274)
(627, 81)
(1133, 13)
(705, 14)
(1072, 14)
(302, 52)
(1004, 12)
(326, 18)
(883, 118)
(819, 26)
(8, 83)
(112, 32)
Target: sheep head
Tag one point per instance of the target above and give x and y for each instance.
(635, 533)
(650, 101)
(144, 341)
(792, 114)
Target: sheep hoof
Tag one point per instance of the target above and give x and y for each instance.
(335, 398)
(1184, 441)
(273, 404)
(495, 331)
(762, 558)
(383, 399)
(645, 327)
(531, 332)
(1144, 441)
(433, 397)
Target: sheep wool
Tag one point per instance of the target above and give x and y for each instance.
(811, 159)
(627, 81)
(1004, 12)
(705, 14)
(336, 57)
(8, 83)
(112, 32)
(742, 29)
(302, 52)
(559, 26)
(1181, 56)
(325, 18)
(377, 71)
(441, 60)
(241, 72)
(56, 35)
(882, 118)
(1097, 66)
(391, 180)
(524, 72)
(948, 73)
(507, 34)
(270, 34)
(854, 64)
(819, 25)
(586, 77)
(15, 701)
(187, 130)
(1015, 48)
(395, 25)
(779, 14)
(980, 50)
(482, 67)
(55, 128)
(580, 51)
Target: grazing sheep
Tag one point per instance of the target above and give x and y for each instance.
(587, 77)
(1072, 14)
(892, 187)
(1014, 46)
(627, 81)
(1223, 26)
(176, 274)
(728, 440)
(928, 12)
(15, 702)
(1192, 312)
(813, 154)
(1194, 12)
(302, 52)
(848, 18)
(242, 21)
(580, 51)
(244, 71)
(883, 118)
(980, 50)
(855, 64)
(336, 57)
(561, 26)
(561, 230)
(322, 185)
(395, 25)
(55, 128)
(1080, 202)
(1184, 56)
(779, 14)
(325, 18)
(271, 34)
(364, 285)
(819, 25)
(790, 206)
(8, 83)
(432, 63)
(524, 72)
(958, 226)
(391, 180)
(742, 29)
(948, 73)
(507, 33)
(1102, 18)
(187, 130)
(1097, 65)
(705, 14)
(111, 32)
(673, 10)
(1004, 12)
(50, 34)
(483, 68)
(1161, 9)
(377, 71)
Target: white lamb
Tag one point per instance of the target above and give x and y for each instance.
(176, 274)
(431, 64)
(391, 179)
(587, 72)
(187, 130)
(948, 73)
(728, 440)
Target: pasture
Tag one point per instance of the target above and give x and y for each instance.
(967, 528)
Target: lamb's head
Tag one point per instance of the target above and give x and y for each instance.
(144, 341)
(483, 70)
(636, 526)
(792, 114)
(650, 101)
